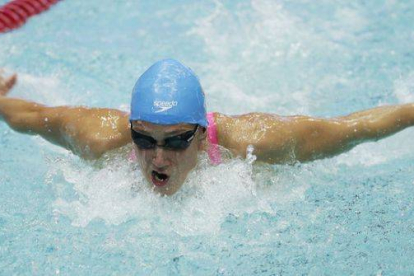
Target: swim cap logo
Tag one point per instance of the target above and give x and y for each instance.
(164, 105)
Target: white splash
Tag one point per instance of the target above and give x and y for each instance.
(116, 193)
(45, 90)
(404, 88)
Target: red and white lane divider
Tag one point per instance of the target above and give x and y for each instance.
(15, 13)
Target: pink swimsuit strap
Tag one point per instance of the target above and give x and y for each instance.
(213, 149)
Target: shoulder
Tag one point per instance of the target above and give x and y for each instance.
(98, 130)
(247, 122)
(242, 130)
(273, 137)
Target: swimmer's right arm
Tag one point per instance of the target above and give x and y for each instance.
(87, 132)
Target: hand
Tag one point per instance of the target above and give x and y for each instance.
(6, 84)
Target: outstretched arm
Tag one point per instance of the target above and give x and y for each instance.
(87, 132)
(299, 138)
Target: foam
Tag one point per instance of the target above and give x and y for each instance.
(117, 193)
(404, 88)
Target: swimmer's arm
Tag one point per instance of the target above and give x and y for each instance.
(300, 138)
(87, 132)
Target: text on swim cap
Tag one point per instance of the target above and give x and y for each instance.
(164, 105)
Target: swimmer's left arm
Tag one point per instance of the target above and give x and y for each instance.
(299, 138)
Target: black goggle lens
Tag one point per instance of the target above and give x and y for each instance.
(178, 142)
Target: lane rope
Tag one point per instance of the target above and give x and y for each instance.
(16, 12)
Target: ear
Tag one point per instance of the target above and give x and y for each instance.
(202, 139)
(202, 134)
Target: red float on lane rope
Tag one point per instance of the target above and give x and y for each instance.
(15, 13)
(29, 10)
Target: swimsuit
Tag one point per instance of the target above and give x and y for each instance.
(213, 149)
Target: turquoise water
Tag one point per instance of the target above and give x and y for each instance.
(352, 214)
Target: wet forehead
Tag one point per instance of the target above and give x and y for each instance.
(150, 128)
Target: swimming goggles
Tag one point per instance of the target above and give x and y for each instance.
(178, 142)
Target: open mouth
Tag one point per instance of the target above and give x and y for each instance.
(159, 179)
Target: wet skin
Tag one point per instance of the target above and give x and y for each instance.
(166, 169)
(92, 132)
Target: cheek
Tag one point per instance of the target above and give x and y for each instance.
(143, 157)
(187, 159)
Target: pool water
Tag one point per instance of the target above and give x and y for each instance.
(348, 215)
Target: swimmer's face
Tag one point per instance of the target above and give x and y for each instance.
(166, 169)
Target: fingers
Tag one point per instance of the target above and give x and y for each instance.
(7, 84)
(11, 81)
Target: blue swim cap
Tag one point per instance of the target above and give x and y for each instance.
(168, 93)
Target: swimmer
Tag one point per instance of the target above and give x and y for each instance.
(169, 126)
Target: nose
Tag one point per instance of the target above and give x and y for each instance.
(160, 159)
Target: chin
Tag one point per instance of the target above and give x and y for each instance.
(166, 190)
